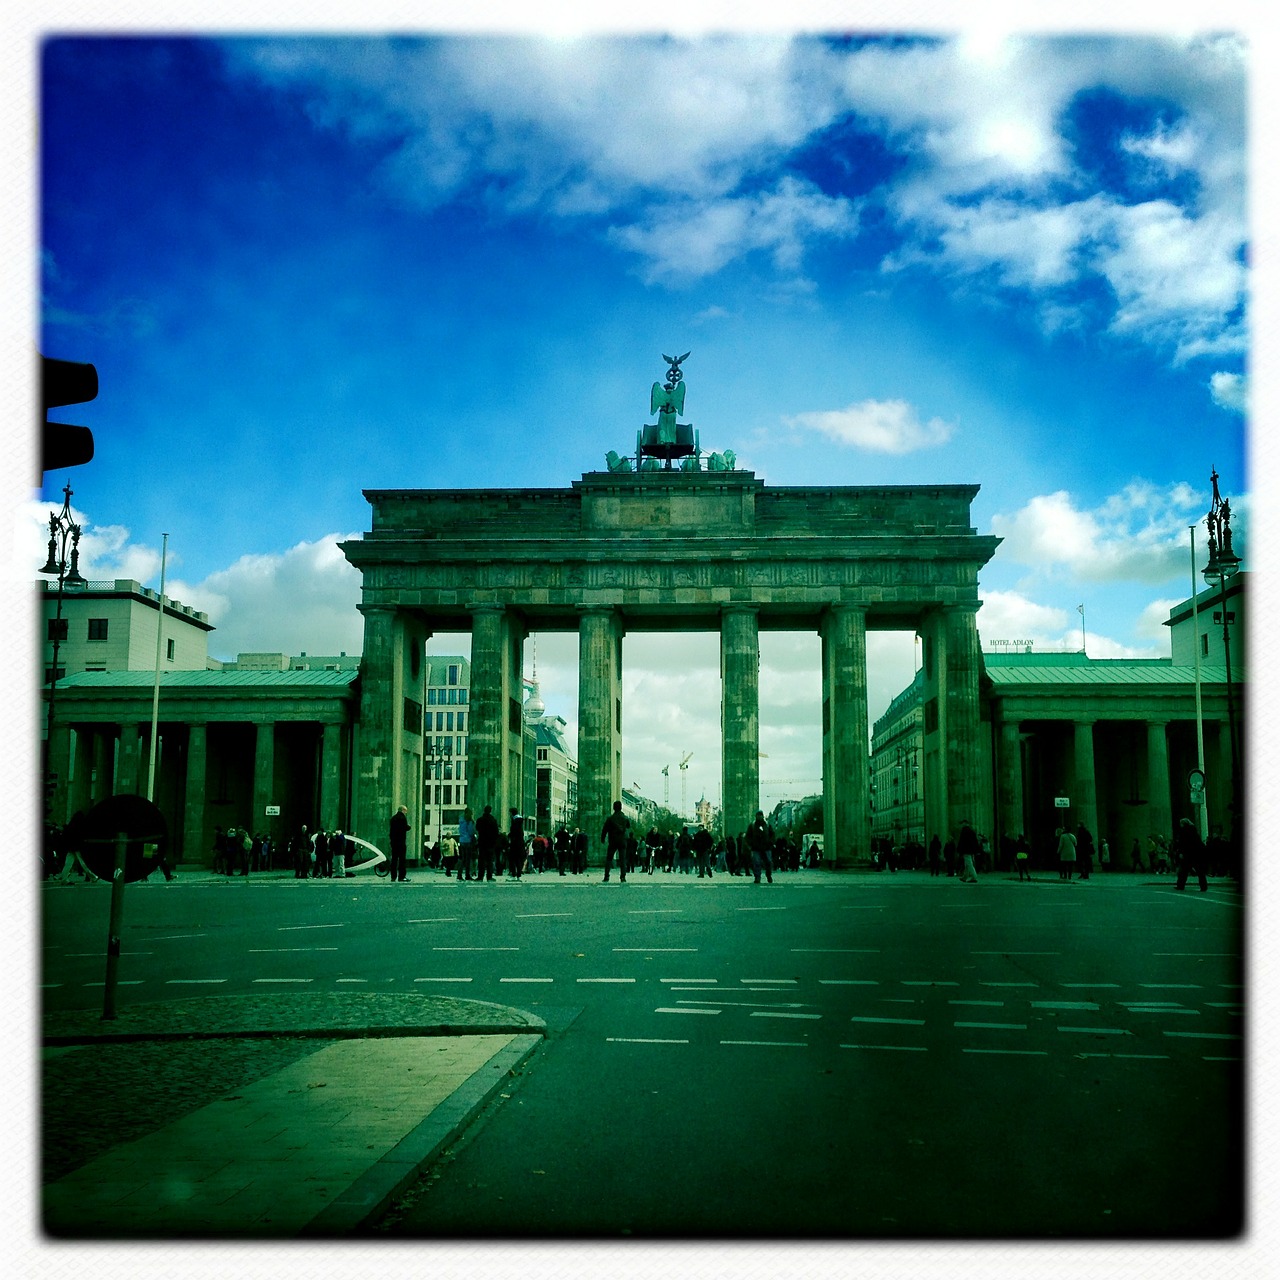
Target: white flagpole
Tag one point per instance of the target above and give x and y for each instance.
(1084, 640)
(155, 689)
(1195, 631)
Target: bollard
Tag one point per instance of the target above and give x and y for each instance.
(114, 928)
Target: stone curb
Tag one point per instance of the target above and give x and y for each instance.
(369, 1196)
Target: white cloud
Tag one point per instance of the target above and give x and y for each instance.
(1139, 534)
(1230, 391)
(1011, 616)
(878, 426)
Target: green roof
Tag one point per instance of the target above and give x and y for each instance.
(1114, 671)
(208, 679)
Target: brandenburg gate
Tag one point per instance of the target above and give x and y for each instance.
(657, 548)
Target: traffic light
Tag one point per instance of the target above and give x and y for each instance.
(65, 382)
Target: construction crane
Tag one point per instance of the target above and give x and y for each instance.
(684, 783)
(666, 786)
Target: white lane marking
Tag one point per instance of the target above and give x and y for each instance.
(526, 979)
(95, 955)
(475, 948)
(545, 915)
(901, 1048)
(748, 1004)
(442, 979)
(294, 928)
(1199, 955)
(649, 951)
(690, 981)
(1008, 984)
(282, 979)
(928, 982)
(1143, 1057)
(606, 979)
(173, 937)
(1016, 1053)
(1137, 1008)
(1203, 1035)
(1089, 986)
(1207, 1058)
(193, 982)
(861, 908)
(49, 986)
(898, 1000)
(1170, 986)
(1150, 1004)
(827, 951)
(1098, 1031)
(1223, 1004)
(771, 1014)
(661, 911)
(709, 1011)
(1064, 1004)
(366, 979)
(275, 951)
(992, 1026)
(904, 1022)
(770, 1044)
(435, 920)
(761, 982)
(988, 1004)
(848, 982)
(640, 1040)
(120, 982)
(1015, 953)
(761, 908)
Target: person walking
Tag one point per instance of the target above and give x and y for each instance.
(1191, 855)
(969, 847)
(1084, 851)
(466, 845)
(1066, 854)
(759, 838)
(1135, 855)
(399, 843)
(1022, 858)
(487, 837)
(703, 843)
(579, 845)
(935, 856)
(515, 846)
(614, 833)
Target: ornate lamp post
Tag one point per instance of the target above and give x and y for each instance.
(1223, 565)
(64, 560)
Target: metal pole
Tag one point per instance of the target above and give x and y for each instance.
(1231, 714)
(1195, 629)
(114, 928)
(155, 689)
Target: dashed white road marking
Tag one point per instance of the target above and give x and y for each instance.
(275, 951)
(193, 982)
(848, 982)
(992, 1026)
(175, 937)
(545, 915)
(640, 1040)
(1002, 952)
(526, 979)
(769, 1013)
(120, 982)
(1144, 1057)
(1098, 1031)
(763, 982)
(1015, 1053)
(296, 928)
(649, 951)
(1064, 1004)
(928, 982)
(901, 1048)
(988, 1004)
(282, 980)
(435, 920)
(661, 911)
(1089, 986)
(746, 1004)
(761, 908)
(442, 979)
(606, 979)
(902, 1022)
(1203, 1035)
(1169, 986)
(708, 1011)
(366, 980)
(770, 1044)
(1010, 984)
(689, 982)
(475, 948)
(828, 951)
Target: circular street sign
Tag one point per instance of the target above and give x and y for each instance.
(141, 822)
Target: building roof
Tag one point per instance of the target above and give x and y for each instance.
(1096, 671)
(207, 679)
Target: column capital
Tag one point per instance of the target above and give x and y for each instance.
(367, 608)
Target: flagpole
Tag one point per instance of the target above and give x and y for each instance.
(1084, 640)
(155, 688)
(1195, 631)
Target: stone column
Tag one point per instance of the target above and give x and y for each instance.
(379, 738)
(1009, 786)
(331, 809)
(264, 762)
(126, 779)
(961, 663)
(80, 794)
(1159, 814)
(1084, 801)
(101, 782)
(60, 764)
(487, 711)
(739, 716)
(846, 765)
(195, 844)
(599, 718)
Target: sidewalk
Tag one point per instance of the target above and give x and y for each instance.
(260, 1116)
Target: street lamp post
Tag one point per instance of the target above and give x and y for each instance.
(1223, 566)
(64, 560)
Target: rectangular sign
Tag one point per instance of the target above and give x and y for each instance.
(1061, 802)
(273, 811)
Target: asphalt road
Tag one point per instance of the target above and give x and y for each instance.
(832, 1056)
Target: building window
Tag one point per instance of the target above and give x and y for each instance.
(462, 696)
(448, 795)
(448, 720)
(431, 697)
(48, 674)
(1204, 646)
(453, 675)
(462, 722)
(97, 629)
(412, 716)
(453, 697)
(168, 650)
(542, 753)
(57, 628)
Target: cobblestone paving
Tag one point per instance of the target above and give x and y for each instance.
(97, 1096)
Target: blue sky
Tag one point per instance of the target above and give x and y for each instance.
(304, 267)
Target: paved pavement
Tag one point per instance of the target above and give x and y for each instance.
(260, 1116)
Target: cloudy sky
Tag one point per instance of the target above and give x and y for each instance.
(304, 267)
